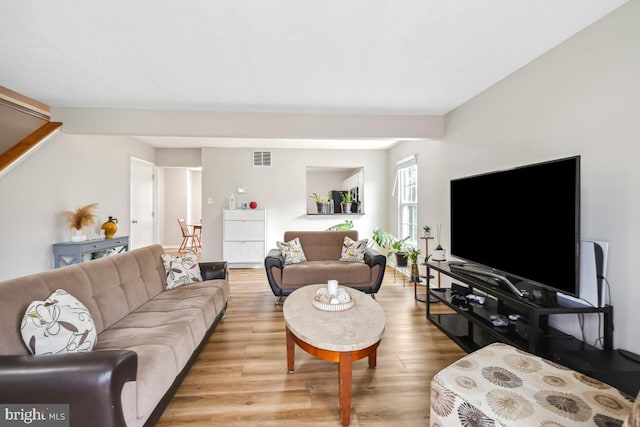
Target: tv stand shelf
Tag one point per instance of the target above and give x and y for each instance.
(469, 325)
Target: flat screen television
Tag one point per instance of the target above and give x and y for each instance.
(521, 223)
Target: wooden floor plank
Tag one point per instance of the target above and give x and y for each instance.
(240, 378)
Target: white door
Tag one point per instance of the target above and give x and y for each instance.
(143, 221)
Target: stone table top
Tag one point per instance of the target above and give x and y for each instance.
(350, 330)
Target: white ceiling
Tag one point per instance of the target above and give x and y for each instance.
(392, 57)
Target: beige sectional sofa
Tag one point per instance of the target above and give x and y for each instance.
(323, 250)
(147, 337)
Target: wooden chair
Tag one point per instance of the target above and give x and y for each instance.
(186, 235)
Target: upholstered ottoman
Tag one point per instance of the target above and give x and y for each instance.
(503, 386)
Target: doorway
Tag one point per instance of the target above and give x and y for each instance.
(179, 196)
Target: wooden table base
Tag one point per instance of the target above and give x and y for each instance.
(344, 359)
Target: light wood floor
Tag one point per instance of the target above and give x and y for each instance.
(240, 378)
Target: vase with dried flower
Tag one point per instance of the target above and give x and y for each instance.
(79, 219)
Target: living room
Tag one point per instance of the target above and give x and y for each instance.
(579, 98)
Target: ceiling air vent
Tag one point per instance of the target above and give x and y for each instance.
(262, 158)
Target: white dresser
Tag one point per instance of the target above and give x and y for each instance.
(244, 236)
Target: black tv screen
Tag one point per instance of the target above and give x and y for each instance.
(524, 222)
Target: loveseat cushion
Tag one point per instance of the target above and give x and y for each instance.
(352, 250)
(310, 272)
(292, 251)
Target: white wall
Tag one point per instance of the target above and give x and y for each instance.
(195, 196)
(68, 172)
(178, 157)
(175, 200)
(581, 98)
(282, 190)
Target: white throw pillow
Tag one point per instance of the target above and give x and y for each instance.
(60, 324)
(180, 271)
(353, 251)
(292, 251)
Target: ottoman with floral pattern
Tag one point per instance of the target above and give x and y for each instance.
(500, 385)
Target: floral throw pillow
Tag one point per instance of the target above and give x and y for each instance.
(59, 324)
(292, 251)
(353, 251)
(180, 271)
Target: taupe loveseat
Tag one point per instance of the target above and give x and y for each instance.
(323, 250)
(147, 338)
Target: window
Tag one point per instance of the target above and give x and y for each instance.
(408, 200)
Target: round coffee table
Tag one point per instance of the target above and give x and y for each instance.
(336, 336)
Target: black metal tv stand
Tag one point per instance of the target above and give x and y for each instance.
(469, 325)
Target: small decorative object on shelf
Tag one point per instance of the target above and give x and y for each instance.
(321, 202)
(232, 201)
(253, 205)
(347, 201)
(110, 227)
(439, 254)
(80, 218)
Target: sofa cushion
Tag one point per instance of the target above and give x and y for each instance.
(60, 324)
(181, 270)
(353, 251)
(164, 332)
(292, 251)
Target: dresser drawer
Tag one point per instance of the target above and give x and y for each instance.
(247, 252)
(243, 231)
(243, 214)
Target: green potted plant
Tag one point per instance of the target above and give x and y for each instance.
(394, 245)
(413, 254)
(426, 231)
(321, 202)
(347, 201)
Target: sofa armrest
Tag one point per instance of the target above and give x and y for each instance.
(374, 258)
(274, 259)
(214, 270)
(90, 383)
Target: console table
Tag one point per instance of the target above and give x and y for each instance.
(67, 253)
